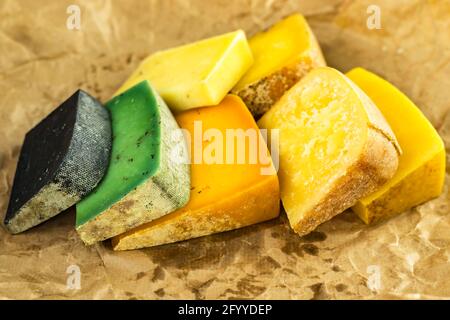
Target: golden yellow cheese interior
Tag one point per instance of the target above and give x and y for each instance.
(284, 43)
(421, 171)
(196, 74)
(224, 196)
(323, 130)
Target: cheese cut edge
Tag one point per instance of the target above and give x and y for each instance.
(195, 224)
(377, 164)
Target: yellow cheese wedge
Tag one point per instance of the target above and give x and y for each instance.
(421, 169)
(335, 147)
(225, 194)
(196, 74)
(283, 55)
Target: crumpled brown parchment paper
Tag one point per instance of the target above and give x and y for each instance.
(42, 63)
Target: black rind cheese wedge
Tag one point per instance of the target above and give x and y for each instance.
(62, 159)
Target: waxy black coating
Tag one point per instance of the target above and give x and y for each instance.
(70, 147)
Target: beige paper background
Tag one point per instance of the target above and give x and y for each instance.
(42, 63)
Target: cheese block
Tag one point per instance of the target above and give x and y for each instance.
(148, 175)
(62, 159)
(421, 170)
(225, 195)
(335, 147)
(283, 55)
(196, 74)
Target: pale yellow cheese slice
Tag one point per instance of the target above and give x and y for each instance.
(196, 74)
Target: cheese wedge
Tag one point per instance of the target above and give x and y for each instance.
(62, 159)
(335, 147)
(148, 175)
(196, 74)
(283, 55)
(225, 195)
(421, 170)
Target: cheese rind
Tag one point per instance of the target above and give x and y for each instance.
(335, 147)
(421, 170)
(197, 74)
(144, 180)
(283, 55)
(223, 196)
(62, 159)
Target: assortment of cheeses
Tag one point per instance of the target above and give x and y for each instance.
(188, 159)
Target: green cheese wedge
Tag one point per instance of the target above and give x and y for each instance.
(148, 175)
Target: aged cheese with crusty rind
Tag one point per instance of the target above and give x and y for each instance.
(148, 175)
(335, 147)
(224, 196)
(62, 159)
(421, 170)
(196, 74)
(282, 55)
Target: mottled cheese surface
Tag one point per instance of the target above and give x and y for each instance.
(335, 147)
(421, 170)
(224, 196)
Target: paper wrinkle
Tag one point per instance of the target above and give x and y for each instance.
(42, 63)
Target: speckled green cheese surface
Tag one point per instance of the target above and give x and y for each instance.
(135, 155)
(144, 180)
